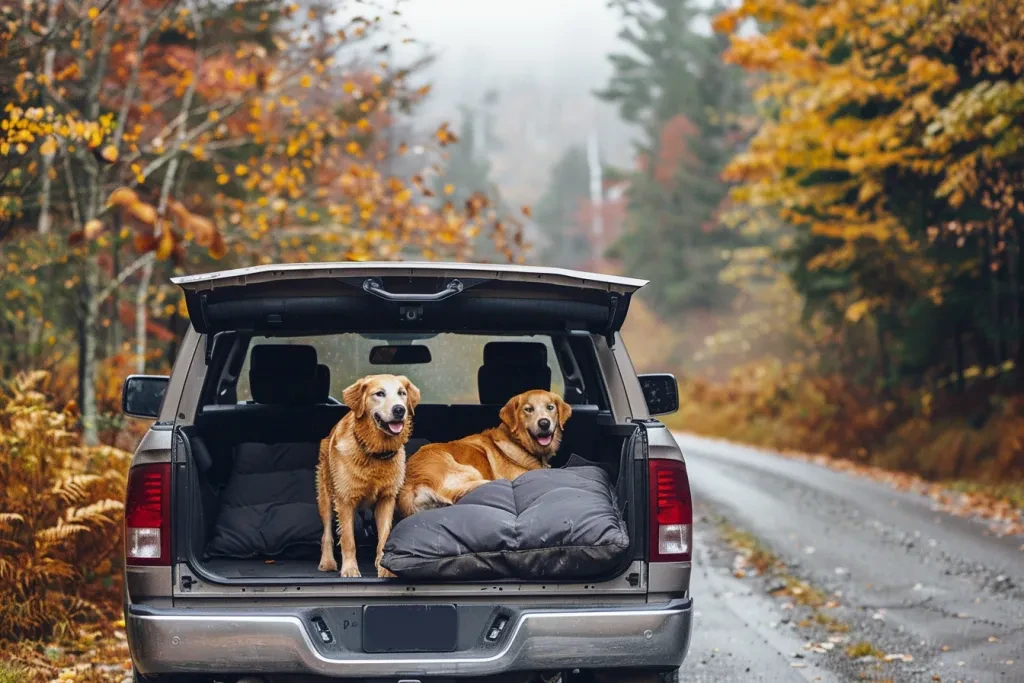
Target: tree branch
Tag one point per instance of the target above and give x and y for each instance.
(145, 259)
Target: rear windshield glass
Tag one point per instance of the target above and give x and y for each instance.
(450, 376)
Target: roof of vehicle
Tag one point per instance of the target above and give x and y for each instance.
(515, 273)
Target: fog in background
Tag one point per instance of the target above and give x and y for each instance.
(543, 59)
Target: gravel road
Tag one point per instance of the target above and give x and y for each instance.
(941, 591)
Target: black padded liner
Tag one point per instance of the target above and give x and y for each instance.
(268, 507)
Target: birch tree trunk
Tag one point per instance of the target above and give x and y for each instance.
(142, 292)
(141, 295)
(45, 220)
(90, 411)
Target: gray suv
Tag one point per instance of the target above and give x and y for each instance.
(203, 602)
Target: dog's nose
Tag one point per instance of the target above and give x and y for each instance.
(544, 423)
(398, 412)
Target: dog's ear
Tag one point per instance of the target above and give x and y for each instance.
(509, 414)
(354, 398)
(412, 390)
(564, 410)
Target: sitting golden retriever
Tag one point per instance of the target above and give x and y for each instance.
(362, 463)
(528, 437)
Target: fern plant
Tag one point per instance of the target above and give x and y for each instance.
(60, 517)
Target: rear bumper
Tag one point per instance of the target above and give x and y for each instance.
(282, 642)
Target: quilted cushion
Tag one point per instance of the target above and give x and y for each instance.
(545, 525)
(268, 507)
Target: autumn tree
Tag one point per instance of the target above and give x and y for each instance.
(144, 137)
(891, 145)
(672, 84)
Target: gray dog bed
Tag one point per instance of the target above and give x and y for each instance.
(547, 525)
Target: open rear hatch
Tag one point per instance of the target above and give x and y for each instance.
(310, 300)
(358, 297)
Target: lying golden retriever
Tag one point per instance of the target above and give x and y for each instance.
(530, 432)
(362, 463)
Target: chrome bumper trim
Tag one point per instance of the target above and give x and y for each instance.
(182, 641)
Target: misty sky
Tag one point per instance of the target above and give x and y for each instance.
(557, 42)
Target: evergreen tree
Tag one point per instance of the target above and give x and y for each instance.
(556, 210)
(673, 85)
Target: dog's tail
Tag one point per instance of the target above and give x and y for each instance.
(426, 498)
(419, 499)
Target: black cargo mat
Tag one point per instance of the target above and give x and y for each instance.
(281, 569)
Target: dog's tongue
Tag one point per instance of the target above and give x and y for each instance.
(396, 427)
(544, 440)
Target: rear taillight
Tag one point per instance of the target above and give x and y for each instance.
(147, 515)
(671, 520)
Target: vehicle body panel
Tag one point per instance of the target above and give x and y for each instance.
(178, 620)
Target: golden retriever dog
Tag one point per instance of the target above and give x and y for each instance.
(362, 463)
(528, 437)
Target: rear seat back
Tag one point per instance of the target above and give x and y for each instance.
(290, 391)
(290, 404)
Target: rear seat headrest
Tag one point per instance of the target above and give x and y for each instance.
(323, 383)
(511, 368)
(515, 353)
(283, 374)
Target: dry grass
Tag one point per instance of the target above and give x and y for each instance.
(96, 655)
(780, 407)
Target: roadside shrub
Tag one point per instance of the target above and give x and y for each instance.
(60, 517)
(784, 407)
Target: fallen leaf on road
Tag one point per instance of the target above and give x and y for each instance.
(900, 657)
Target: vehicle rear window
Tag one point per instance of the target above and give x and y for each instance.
(450, 376)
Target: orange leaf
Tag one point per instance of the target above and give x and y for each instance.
(204, 230)
(92, 229)
(218, 248)
(144, 242)
(122, 197)
(142, 212)
(166, 246)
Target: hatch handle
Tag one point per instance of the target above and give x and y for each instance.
(374, 286)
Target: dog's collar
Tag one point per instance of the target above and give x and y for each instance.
(380, 455)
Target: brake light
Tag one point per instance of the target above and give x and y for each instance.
(147, 516)
(671, 518)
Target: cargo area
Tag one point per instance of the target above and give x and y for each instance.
(254, 442)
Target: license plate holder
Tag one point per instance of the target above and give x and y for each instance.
(410, 628)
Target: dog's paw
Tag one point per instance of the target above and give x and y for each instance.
(350, 571)
(383, 573)
(328, 565)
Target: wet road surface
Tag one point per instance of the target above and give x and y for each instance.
(910, 579)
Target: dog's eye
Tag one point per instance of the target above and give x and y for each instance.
(401, 393)
(528, 409)
(550, 407)
(381, 394)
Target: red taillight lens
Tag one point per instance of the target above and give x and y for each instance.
(147, 515)
(671, 519)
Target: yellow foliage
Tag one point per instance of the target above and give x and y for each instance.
(892, 105)
(857, 310)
